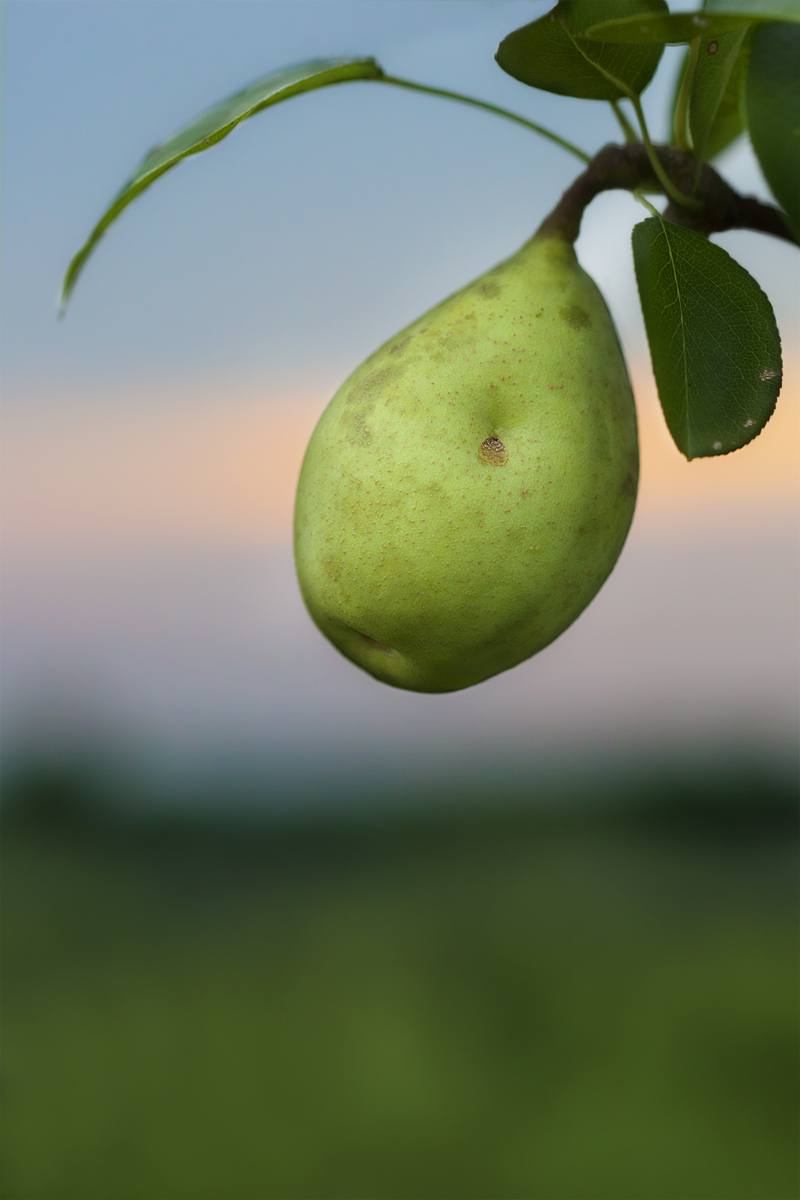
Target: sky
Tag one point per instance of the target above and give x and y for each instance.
(152, 438)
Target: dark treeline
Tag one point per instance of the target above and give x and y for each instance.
(725, 799)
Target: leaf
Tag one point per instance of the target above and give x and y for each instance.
(716, 60)
(731, 118)
(214, 125)
(550, 53)
(713, 340)
(773, 111)
(717, 17)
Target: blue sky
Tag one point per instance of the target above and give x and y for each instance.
(311, 233)
(307, 235)
(314, 231)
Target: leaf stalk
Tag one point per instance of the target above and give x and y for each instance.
(492, 108)
(669, 187)
(624, 123)
(674, 193)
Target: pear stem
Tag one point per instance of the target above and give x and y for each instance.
(630, 168)
(492, 108)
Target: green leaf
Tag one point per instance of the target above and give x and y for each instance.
(716, 61)
(713, 340)
(731, 118)
(214, 125)
(773, 112)
(552, 55)
(716, 18)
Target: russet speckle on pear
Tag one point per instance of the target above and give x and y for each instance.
(469, 488)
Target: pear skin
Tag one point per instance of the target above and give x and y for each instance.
(469, 488)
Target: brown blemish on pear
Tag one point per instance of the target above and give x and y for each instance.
(493, 452)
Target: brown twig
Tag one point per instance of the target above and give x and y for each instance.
(627, 167)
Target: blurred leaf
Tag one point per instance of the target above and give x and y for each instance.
(716, 62)
(713, 339)
(550, 53)
(717, 17)
(773, 111)
(213, 126)
(731, 118)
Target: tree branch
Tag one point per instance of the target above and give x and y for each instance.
(627, 167)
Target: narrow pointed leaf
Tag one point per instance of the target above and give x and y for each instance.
(716, 18)
(773, 111)
(552, 55)
(713, 339)
(212, 127)
(716, 61)
(731, 118)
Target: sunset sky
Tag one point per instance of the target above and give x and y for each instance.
(152, 439)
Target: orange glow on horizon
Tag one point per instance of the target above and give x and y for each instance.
(99, 474)
(763, 475)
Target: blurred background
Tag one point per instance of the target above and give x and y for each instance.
(271, 928)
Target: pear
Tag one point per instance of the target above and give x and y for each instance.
(469, 488)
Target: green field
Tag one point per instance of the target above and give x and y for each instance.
(524, 1007)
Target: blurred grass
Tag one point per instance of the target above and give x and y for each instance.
(592, 1007)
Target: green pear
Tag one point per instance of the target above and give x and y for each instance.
(470, 487)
